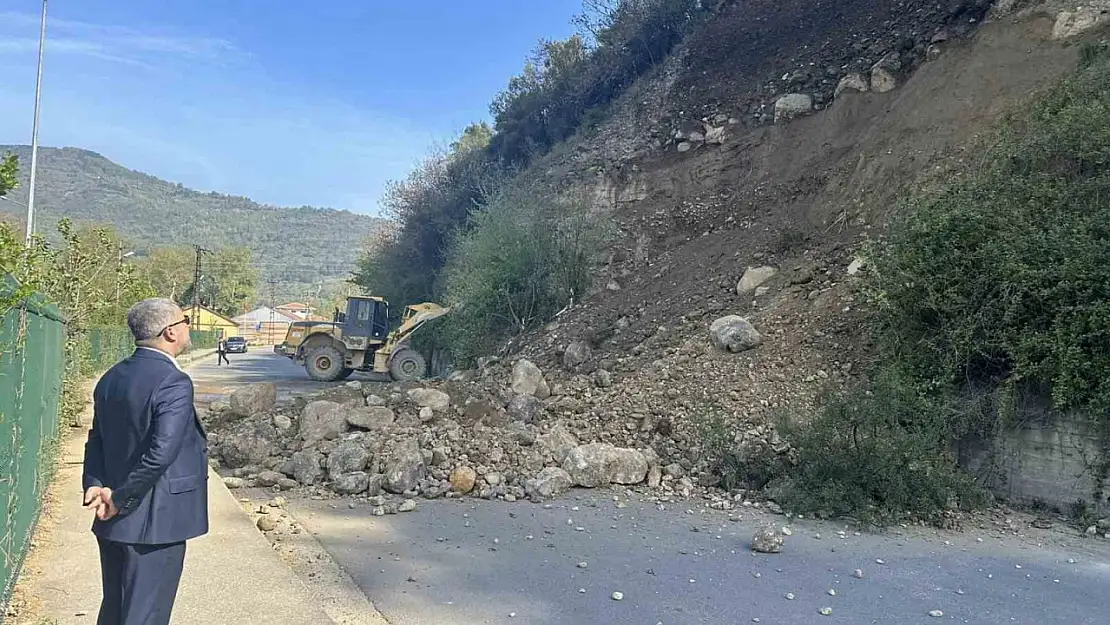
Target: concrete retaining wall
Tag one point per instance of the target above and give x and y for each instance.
(1049, 457)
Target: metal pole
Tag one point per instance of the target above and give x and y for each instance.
(35, 133)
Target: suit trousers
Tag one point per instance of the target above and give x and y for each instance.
(140, 582)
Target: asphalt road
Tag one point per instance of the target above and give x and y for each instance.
(259, 364)
(469, 561)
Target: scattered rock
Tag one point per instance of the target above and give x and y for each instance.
(266, 523)
(347, 457)
(617, 596)
(715, 135)
(734, 334)
(767, 540)
(601, 464)
(885, 73)
(754, 277)
(576, 354)
(407, 505)
(352, 483)
(233, 482)
(430, 398)
(551, 482)
(282, 423)
(253, 399)
(405, 469)
(791, 106)
(371, 418)
(463, 479)
(851, 82)
(322, 420)
(305, 467)
(529, 380)
(268, 478)
(558, 442)
(525, 408)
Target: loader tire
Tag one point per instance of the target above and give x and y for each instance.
(324, 363)
(407, 365)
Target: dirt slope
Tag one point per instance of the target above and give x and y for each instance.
(797, 197)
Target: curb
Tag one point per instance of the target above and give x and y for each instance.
(187, 359)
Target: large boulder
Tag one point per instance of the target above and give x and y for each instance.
(350, 483)
(321, 421)
(753, 278)
(885, 73)
(305, 466)
(528, 380)
(601, 464)
(247, 443)
(430, 398)
(347, 457)
(253, 399)
(558, 442)
(371, 418)
(792, 105)
(734, 334)
(550, 482)
(525, 408)
(405, 468)
(463, 479)
(851, 82)
(767, 540)
(576, 354)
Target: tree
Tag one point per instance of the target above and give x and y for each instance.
(475, 136)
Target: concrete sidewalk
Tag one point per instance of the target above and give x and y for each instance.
(232, 574)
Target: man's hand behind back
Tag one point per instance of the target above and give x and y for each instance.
(99, 500)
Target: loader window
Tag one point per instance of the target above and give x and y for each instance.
(381, 323)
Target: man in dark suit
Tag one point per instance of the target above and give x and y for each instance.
(146, 470)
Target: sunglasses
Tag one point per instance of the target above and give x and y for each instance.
(185, 321)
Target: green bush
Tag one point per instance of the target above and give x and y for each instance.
(995, 281)
(518, 263)
(880, 454)
(1003, 275)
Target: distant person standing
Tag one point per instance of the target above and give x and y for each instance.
(146, 470)
(221, 350)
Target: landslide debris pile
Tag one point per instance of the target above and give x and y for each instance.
(507, 430)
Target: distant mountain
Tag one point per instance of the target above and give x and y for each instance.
(291, 245)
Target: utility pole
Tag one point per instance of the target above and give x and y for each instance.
(35, 134)
(196, 282)
(273, 302)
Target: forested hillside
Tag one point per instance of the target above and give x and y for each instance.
(294, 246)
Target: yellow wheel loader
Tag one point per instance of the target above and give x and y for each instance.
(360, 340)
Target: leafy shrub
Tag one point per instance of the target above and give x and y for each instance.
(994, 282)
(1003, 275)
(880, 453)
(519, 262)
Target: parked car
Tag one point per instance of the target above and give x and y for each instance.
(236, 345)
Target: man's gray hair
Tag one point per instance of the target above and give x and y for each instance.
(149, 317)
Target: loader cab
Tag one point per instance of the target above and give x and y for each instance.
(366, 317)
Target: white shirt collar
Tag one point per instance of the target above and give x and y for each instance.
(164, 355)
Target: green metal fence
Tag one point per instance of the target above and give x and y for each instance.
(103, 347)
(32, 343)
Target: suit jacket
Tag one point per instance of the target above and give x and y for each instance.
(149, 447)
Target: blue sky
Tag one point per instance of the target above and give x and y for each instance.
(287, 102)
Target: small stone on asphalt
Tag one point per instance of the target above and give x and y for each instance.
(617, 596)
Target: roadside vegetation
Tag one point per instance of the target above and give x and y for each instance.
(991, 286)
(84, 272)
(466, 202)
